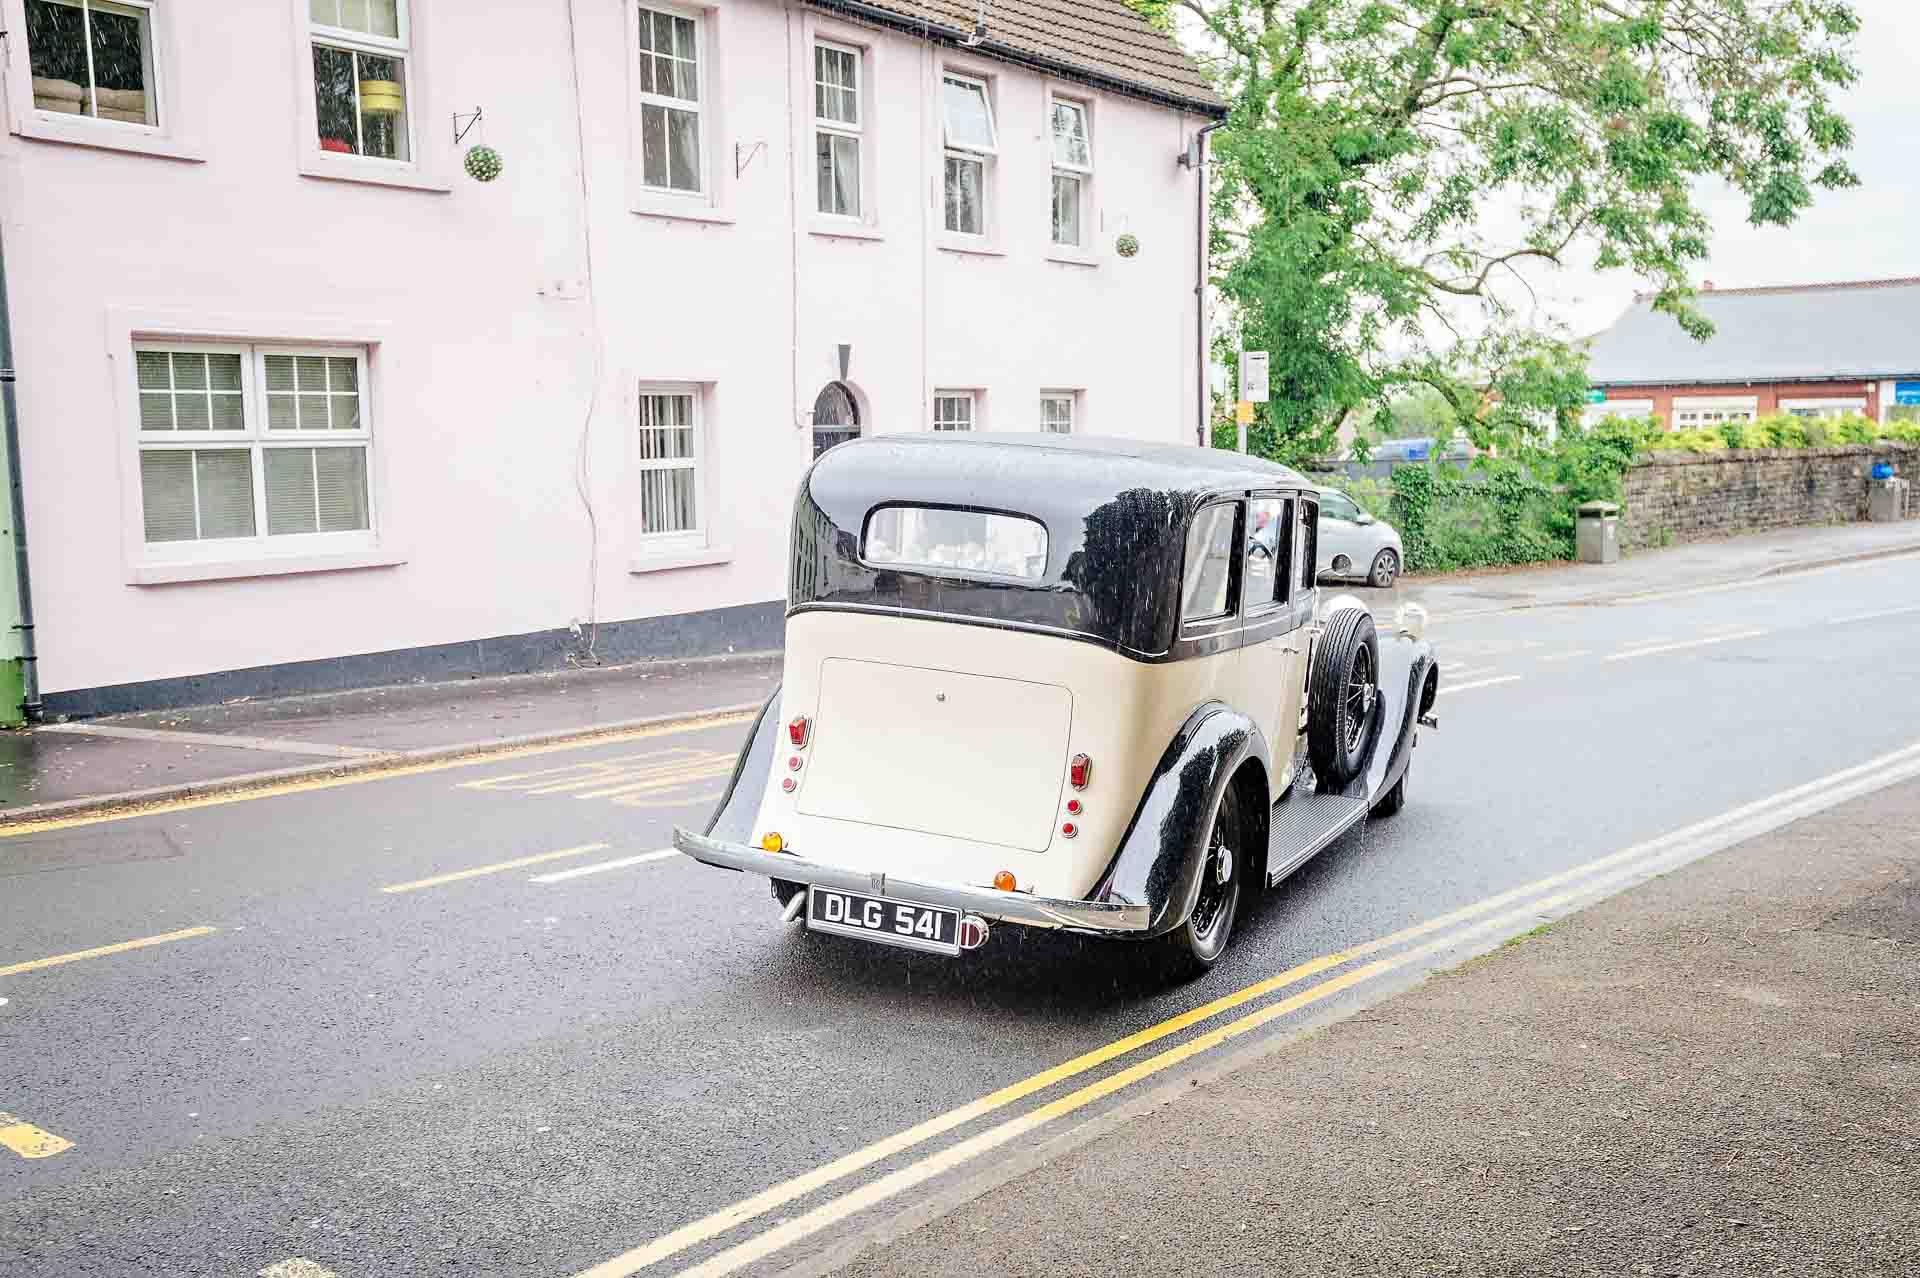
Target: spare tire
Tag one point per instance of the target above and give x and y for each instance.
(1342, 690)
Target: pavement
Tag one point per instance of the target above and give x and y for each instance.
(65, 768)
(1716, 1072)
(469, 1015)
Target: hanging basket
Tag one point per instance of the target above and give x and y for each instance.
(483, 163)
(1127, 245)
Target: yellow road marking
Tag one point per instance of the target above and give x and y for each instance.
(495, 868)
(28, 1141)
(1605, 871)
(305, 785)
(98, 951)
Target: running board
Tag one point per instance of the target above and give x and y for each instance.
(1303, 824)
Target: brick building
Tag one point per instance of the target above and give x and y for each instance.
(1815, 350)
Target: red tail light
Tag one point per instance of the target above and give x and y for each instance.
(1079, 769)
(797, 730)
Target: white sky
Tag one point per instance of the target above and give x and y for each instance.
(1870, 232)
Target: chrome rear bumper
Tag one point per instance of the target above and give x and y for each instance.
(1007, 907)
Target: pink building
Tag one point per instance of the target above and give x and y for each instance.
(302, 404)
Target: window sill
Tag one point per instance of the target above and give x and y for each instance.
(354, 168)
(666, 560)
(1071, 256)
(163, 573)
(833, 230)
(682, 208)
(968, 244)
(106, 135)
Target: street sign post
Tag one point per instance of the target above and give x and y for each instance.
(1253, 390)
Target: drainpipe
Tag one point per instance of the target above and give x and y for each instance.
(10, 410)
(1196, 159)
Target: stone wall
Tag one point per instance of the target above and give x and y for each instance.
(1675, 497)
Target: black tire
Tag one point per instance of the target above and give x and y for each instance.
(1197, 944)
(1393, 800)
(1386, 567)
(1342, 690)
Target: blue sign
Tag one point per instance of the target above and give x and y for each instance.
(1906, 393)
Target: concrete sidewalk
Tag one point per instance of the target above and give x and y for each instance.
(1716, 1072)
(63, 769)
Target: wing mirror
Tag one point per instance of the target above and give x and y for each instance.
(1364, 518)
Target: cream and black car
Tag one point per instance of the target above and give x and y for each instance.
(1060, 682)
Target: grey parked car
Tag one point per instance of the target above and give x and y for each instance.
(1354, 546)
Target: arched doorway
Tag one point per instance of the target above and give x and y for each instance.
(836, 417)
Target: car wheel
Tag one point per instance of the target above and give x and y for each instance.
(1393, 800)
(1386, 567)
(1342, 691)
(1197, 944)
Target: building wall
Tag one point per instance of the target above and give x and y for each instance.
(1768, 394)
(1673, 497)
(508, 326)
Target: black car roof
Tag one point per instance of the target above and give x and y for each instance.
(1002, 469)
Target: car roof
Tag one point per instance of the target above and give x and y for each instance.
(1090, 468)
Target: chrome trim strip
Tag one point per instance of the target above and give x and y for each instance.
(1008, 907)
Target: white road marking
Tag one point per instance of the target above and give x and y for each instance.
(1686, 643)
(1872, 616)
(1569, 656)
(1445, 688)
(295, 1267)
(561, 876)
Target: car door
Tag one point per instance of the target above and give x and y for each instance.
(1341, 550)
(1273, 651)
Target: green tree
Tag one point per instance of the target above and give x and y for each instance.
(1368, 140)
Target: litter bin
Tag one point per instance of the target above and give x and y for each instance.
(1886, 500)
(1596, 537)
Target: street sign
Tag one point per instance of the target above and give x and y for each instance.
(1596, 397)
(1253, 376)
(1243, 412)
(1906, 392)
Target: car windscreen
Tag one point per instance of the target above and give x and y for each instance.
(969, 541)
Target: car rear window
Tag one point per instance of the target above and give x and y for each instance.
(972, 541)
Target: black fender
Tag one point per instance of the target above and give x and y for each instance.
(739, 808)
(1160, 857)
(1409, 681)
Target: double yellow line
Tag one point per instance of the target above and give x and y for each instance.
(1493, 916)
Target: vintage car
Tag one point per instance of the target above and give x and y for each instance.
(1061, 682)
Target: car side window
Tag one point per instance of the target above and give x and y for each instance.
(1206, 591)
(1309, 540)
(1335, 506)
(1265, 579)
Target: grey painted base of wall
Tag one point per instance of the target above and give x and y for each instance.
(746, 628)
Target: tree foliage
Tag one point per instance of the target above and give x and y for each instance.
(1368, 141)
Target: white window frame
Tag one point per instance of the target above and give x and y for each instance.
(985, 156)
(168, 138)
(429, 145)
(696, 106)
(1825, 408)
(358, 43)
(683, 538)
(257, 439)
(1727, 407)
(1594, 413)
(970, 398)
(840, 128)
(1071, 398)
(1081, 173)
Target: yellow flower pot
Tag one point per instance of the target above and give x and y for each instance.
(381, 97)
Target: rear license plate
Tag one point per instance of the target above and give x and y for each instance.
(915, 927)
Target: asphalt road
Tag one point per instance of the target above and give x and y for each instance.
(372, 1066)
